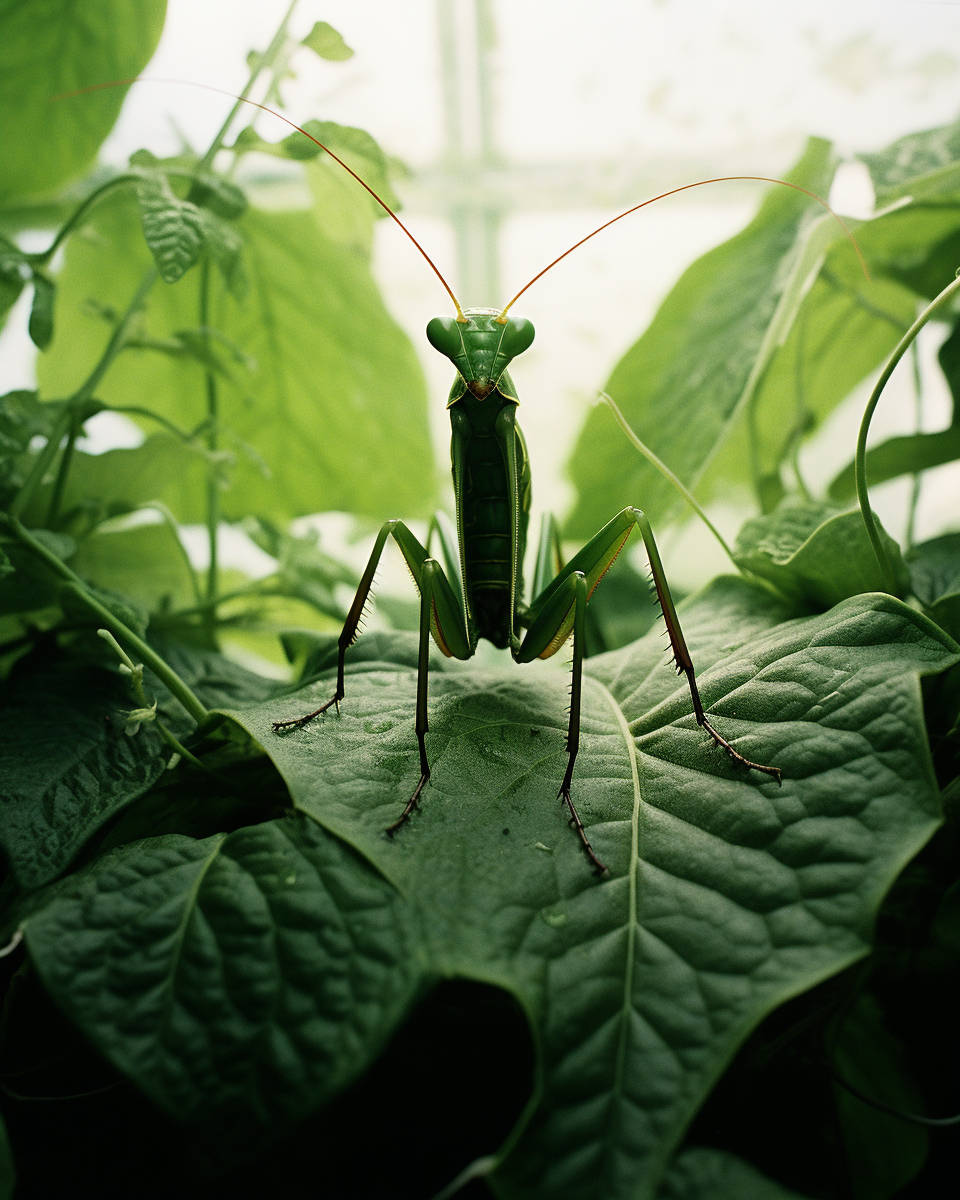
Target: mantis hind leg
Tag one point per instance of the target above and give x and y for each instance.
(594, 560)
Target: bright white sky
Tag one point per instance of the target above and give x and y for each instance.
(704, 84)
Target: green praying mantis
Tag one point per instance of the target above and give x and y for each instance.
(478, 590)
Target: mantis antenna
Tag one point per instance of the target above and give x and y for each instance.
(96, 87)
(673, 191)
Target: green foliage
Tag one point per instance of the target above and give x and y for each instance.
(52, 47)
(331, 413)
(683, 384)
(815, 555)
(701, 1174)
(870, 1059)
(324, 40)
(214, 907)
(723, 888)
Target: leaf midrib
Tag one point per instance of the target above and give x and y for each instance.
(613, 1128)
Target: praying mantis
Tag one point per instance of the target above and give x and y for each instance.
(477, 591)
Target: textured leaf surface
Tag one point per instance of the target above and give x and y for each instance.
(173, 228)
(332, 415)
(119, 481)
(815, 555)
(47, 48)
(727, 894)
(66, 765)
(248, 975)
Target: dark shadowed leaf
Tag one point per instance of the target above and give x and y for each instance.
(935, 576)
(219, 973)
(883, 1151)
(702, 1174)
(66, 764)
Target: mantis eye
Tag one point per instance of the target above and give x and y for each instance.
(444, 335)
(517, 337)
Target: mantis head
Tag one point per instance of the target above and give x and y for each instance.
(481, 346)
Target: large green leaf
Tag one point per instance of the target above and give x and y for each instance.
(119, 481)
(682, 385)
(144, 564)
(726, 894)
(845, 327)
(331, 417)
(50, 47)
(248, 975)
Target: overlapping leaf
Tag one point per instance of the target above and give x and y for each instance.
(248, 976)
(815, 555)
(66, 764)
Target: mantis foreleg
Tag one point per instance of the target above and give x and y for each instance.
(441, 615)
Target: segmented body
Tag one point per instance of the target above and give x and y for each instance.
(492, 536)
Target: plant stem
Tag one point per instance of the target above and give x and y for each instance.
(117, 340)
(262, 587)
(153, 660)
(900, 349)
(213, 485)
(73, 415)
(264, 60)
(41, 464)
(63, 470)
(667, 474)
(77, 216)
(916, 481)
